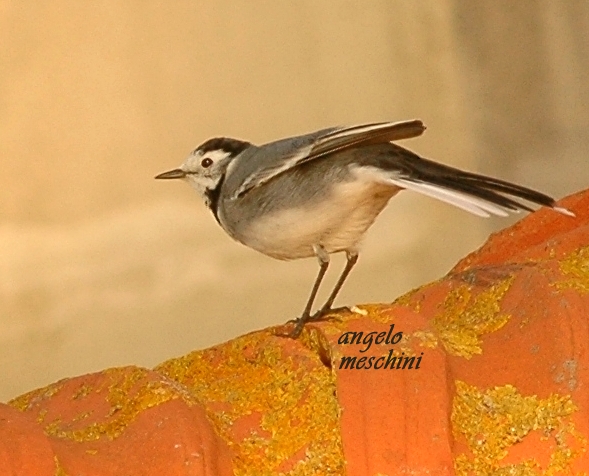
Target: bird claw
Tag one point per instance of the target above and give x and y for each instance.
(320, 315)
(299, 322)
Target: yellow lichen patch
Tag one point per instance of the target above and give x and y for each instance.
(292, 398)
(23, 402)
(379, 313)
(466, 317)
(82, 416)
(410, 301)
(575, 268)
(59, 471)
(129, 394)
(82, 392)
(426, 339)
(404, 346)
(423, 338)
(41, 415)
(494, 420)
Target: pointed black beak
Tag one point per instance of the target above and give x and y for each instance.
(172, 174)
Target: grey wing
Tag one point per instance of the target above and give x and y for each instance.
(278, 157)
(366, 134)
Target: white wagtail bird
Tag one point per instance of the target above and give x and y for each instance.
(317, 194)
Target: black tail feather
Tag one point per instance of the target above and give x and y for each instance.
(512, 189)
(487, 188)
(482, 191)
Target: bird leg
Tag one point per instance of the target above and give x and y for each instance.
(323, 258)
(352, 257)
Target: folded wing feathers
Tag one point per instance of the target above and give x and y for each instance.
(270, 172)
(403, 129)
(332, 142)
(364, 134)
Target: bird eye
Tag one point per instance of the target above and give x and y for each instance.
(206, 162)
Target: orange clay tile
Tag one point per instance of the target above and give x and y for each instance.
(487, 373)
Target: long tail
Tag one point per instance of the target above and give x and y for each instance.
(474, 193)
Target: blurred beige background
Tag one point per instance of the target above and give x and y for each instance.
(100, 265)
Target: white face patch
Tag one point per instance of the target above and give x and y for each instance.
(204, 171)
(194, 162)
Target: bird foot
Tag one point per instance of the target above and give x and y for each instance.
(299, 323)
(324, 314)
(321, 315)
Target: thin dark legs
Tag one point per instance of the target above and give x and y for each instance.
(323, 264)
(323, 257)
(352, 260)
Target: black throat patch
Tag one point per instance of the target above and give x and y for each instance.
(233, 147)
(212, 195)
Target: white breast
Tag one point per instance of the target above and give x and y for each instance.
(337, 222)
